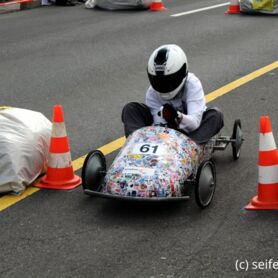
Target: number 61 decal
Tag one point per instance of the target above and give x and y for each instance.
(148, 149)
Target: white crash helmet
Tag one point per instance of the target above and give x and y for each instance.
(167, 70)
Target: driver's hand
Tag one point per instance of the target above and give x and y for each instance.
(170, 115)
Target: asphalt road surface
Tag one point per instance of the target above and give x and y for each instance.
(93, 62)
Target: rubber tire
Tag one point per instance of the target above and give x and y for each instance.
(199, 184)
(236, 145)
(93, 171)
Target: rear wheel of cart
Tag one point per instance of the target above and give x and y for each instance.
(93, 171)
(237, 137)
(205, 183)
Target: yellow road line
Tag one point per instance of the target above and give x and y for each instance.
(10, 200)
(241, 81)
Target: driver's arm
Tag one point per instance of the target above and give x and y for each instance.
(196, 105)
(154, 104)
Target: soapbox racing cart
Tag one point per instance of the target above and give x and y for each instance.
(159, 164)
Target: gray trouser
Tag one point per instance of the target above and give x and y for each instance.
(136, 115)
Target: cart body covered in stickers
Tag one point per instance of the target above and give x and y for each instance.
(155, 162)
(158, 164)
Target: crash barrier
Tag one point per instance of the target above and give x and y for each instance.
(253, 6)
(118, 5)
(259, 6)
(59, 174)
(20, 5)
(233, 8)
(157, 5)
(24, 144)
(267, 198)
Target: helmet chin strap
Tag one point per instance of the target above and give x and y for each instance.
(181, 90)
(180, 93)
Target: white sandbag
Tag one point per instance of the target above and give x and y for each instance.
(24, 146)
(259, 6)
(118, 4)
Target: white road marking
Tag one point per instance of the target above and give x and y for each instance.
(200, 10)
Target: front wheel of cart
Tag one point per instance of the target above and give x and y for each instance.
(93, 171)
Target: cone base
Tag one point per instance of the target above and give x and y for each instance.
(160, 10)
(157, 7)
(61, 185)
(233, 10)
(255, 204)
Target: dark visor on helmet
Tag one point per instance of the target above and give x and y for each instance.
(167, 83)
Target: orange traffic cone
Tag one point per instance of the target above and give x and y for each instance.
(157, 6)
(59, 173)
(234, 7)
(267, 197)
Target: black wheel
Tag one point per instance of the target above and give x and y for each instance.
(205, 183)
(237, 136)
(93, 171)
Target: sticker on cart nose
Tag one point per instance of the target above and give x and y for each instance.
(139, 171)
(146, 148)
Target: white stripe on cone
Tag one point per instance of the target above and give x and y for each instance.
(59, 160)
(59, 130)
(267, 142)
(268, 174)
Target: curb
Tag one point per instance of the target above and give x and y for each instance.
(20, 6)
(30, 5)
